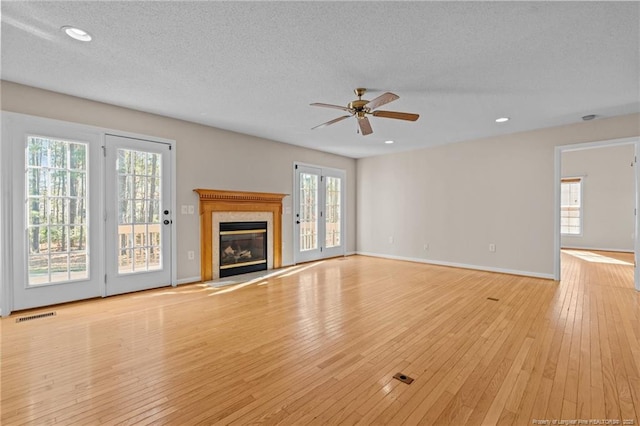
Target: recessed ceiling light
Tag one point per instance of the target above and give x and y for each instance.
(388, 142)
(502, 119)
(76, 33)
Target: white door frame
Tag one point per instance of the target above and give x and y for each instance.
(6, 230)
(332, 171)
(9, 121)
(559, 150)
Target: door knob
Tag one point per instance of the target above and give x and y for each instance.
(166, 222)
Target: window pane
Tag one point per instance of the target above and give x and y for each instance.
(78, 263)
(140, 259)
(59, 150)
(77, 182)
(139, 186)
(76, 238)
(58, 211)
(56, 198)
(139, 163)
(38, 269)
(139, 205)
(124, 162)
(308, 211)
(125, 263)
(570, 209)
(332, 212)
(36, 211)
(153, 165)
(77, 157)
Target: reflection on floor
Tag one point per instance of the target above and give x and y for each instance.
(601, 257)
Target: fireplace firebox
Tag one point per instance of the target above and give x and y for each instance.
(243, 247)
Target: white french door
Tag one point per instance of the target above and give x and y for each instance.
(319, 213)
(138, 214)
(56, 213)
(90, 213)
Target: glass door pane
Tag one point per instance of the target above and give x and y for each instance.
(56, 207)
(333, 212)
(139, 199)
(308, 211)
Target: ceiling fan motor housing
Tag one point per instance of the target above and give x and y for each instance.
(358, 107)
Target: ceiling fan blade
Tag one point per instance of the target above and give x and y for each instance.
(397, 115)
(365, 126)
(335, 120)
(385, 98)
(331, 106)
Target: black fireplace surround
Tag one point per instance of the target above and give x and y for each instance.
(243, 247)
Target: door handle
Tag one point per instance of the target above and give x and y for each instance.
(166, 222)
(298, 222)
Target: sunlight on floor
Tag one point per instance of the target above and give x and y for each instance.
(229, 286)
(595, 257)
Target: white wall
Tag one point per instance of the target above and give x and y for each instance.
(459, 198)
(608, 197)
(206, 157)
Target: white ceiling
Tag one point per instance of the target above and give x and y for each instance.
(254, 67)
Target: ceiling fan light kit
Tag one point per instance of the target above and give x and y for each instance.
(360, 108)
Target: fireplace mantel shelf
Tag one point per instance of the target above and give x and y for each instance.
(215, 200)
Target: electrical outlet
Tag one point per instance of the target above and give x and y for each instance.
(191, 255)
(390, 240)
(191, 209)
(492, 248)
(426, 246)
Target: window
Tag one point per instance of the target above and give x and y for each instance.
(139, 225)
(571, 206)
(56, 206)
(333, 210)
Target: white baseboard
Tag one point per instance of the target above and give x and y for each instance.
(461, 265)
(189, 280)
(597, 249)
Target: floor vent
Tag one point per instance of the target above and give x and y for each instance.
(403, 378)
(493, 298)
(36, 316)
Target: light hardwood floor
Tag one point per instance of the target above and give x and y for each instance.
(320, 344)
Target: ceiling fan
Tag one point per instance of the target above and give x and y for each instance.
(360, 108)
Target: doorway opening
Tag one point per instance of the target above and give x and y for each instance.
(596, 187)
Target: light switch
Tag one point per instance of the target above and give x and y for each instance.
(191, 209)
(184, 209)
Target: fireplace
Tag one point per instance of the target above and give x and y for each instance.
(243, 247)
(219, 206)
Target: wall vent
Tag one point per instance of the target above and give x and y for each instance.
(36, 316)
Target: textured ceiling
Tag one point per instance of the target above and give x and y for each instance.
(254, 67)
